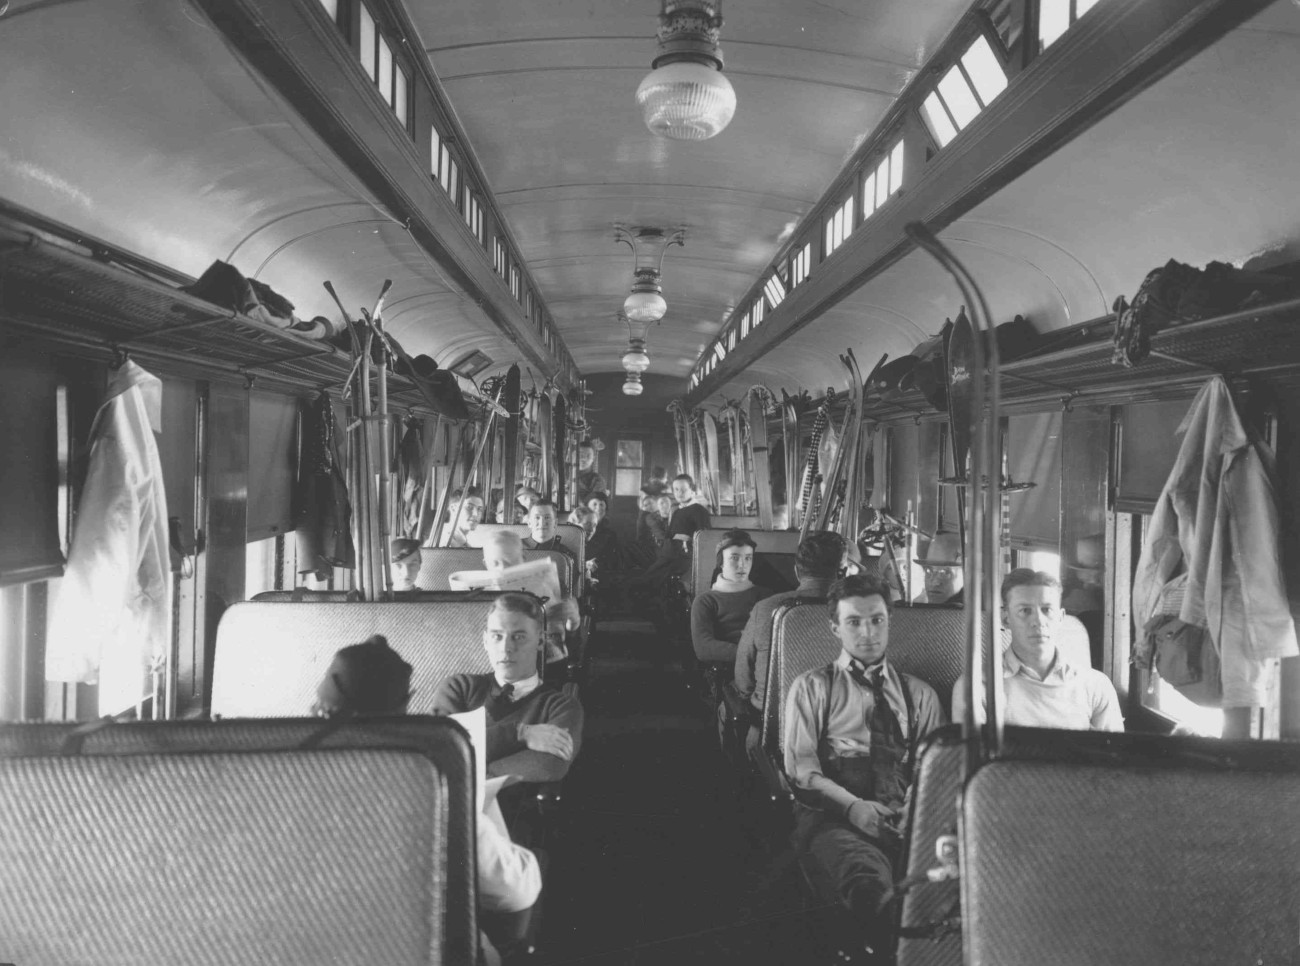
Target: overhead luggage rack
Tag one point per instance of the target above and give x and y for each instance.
(94, 301)
(1254, 341)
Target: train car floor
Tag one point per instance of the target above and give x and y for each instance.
(653, 865)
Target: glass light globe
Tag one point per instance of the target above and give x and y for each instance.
(635, 361)
(645, 306)
(687, 101)
(633, 385)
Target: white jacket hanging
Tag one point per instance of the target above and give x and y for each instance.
(112, 614)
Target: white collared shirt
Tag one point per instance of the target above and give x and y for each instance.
(522, 688)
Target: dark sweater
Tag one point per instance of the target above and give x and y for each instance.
(506, 752)
(717, 620)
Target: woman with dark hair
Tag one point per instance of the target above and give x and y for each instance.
(719, 615)
(602, 545)
(590, 482)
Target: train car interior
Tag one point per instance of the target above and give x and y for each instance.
(707, 408)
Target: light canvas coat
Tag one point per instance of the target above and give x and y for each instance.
(112, 614)
(1218, 517)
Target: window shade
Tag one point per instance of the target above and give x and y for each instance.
(1148, 448)
(29, 485)
(1034, 456)
(272, 444)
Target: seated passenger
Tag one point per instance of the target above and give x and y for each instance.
(602, 543)
(505, 548)
(817, 563)
(851, 732)
(534, 729)
(372, 679)
(651, 529)
(525, 496)
(464, 515)
(590, 482)
(543, 529)
(1042, 689)
(719, 615)
(690, 515)
(562, 616)
(404, 562)
(944, 575)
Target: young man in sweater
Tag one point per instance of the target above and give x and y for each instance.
(534, 729)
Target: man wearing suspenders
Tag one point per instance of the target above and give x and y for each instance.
(851, 733)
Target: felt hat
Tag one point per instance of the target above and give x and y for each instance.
(944, 550)
(399, 548)
(367, 678)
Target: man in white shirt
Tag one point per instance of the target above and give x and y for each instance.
(1043, 690)
(851, 732)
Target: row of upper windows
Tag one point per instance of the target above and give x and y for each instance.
(385, 69)
(974, 80)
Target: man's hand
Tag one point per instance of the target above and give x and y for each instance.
(551, 739)
(872, 818)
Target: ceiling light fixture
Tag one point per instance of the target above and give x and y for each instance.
(635, 359)
(646, 302)
(633, 385)
(686, 96)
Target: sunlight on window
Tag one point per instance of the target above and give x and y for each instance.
(1203, 721)
(1053, 20)
(936, 118)
(984, 70)
(958, 96)
(896, 168)
(385, 76)
(367, 41)
(331, 8)
(1044, 560)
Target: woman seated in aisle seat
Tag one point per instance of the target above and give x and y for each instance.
(651, 530)
(602, 544)
(719, 615)
(372, 679)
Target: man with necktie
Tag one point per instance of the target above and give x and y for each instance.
(534, 729)
(852, 729)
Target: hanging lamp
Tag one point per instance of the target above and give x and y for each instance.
(686, 96)
(646, 303)
(632, 387)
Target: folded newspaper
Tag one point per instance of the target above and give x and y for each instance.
(538, 577)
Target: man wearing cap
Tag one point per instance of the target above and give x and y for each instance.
(534, 729)
(1043, 689)
(943, 570)
(404, 560)
(372, 679)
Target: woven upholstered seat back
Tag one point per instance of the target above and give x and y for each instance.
(801, 641)
(271, 656)
(704, 551)
(1165, 851)
(925, 642)
(934, 813)
(437, 564)
(211, 843)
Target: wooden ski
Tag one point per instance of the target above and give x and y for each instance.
(808, 490)
(758, 398)
(714, 497)
(836, 482)
(545, 478)
(512, 400)
(790, 443)
(559, 436)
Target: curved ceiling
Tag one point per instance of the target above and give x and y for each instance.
(546, 95)
(1199, 167)
(153, 136)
